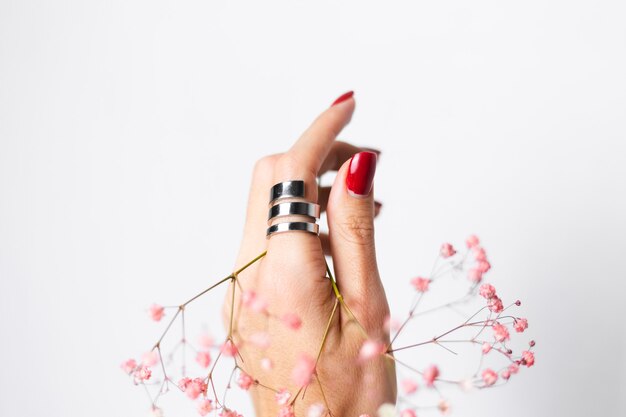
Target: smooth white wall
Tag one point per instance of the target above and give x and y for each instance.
(128, 130)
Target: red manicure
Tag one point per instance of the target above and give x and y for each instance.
(343, 97)
(361, 173)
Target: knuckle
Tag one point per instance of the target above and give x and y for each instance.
(265, 165)
(357, 228)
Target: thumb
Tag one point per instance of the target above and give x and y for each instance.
(350, 214)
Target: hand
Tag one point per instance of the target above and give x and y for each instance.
(292, 278)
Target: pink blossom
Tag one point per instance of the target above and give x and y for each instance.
(443, 406)
(266, 364)
(475, 275)
(229, 349)
(420, 283)
(370, 349)
(156, 312)
(408, 413)
(260, 339)
(500, 332)
(286, 411)
(282, 397)
(528, 358)
(196, 387)
(205, 407)
(203, 359)
(513, 368)
(489, 377)
(486, 347)
(520, 325)
(316, 410)
(472, 241)
(184, 383)
(430, 374)
(143, 374)
(364, 415)
(244, 381)
(409, 386)
(302, 373)
(252, 301)
(205, 341)
(483, 266)
(391, 324)
(447, 250)
(129, 366)
(495, 304)
(479, 254)
(487, 290)
(505, 374)
(291, 320)
(150, 358)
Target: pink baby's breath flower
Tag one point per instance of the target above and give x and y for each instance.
(129, 366)
(266, 364)
(483, 266)
(447, 250)
(156, 312)
(495, 304)
(260, 339)
(500, 332)
(487, 290)
(443, 407)
(316, 410)
(420, 283)
(475, 275)
(430, 375)
(409, 386)
(286, 411)
(196, 387)
(472, 241)
(391, 324)
(370, 349)
(251, 300)
(150, 358)
(282, 397)
(143, 374)
(203, 359)
(205, 407)
(291, 320)
(184, 383)
(528, 358)
(205, 341)
(479, 253)
(513, 368)
(486, 347)
(408, 413)
(505, 374)
(520, 325)
(302, 373)
(229, 349)
(244, 381)
(489, 377)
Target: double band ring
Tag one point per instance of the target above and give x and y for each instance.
(293, 226)
(287, 189)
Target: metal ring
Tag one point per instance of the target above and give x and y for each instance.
(287, 189)
(293, 227)
(293, 208)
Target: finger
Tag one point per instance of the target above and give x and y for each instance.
(298, 250)
(315, 143)
(351, 210)
(324, 193)
(339, 153)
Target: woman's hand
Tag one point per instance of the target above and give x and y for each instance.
(292, 278)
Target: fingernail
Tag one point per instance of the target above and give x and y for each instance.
(376, 151)
(343, 97)
(361, 173)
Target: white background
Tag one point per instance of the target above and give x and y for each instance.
(128, 130)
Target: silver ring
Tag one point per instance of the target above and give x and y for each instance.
(293, 227)
(287, 189)
(294, 207)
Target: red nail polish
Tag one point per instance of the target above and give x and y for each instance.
(361, 173)
(343, 97)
